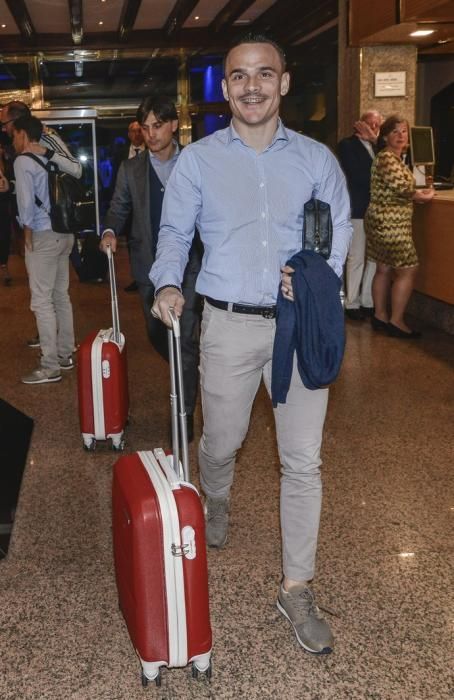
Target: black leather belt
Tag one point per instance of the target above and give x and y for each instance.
(265, 311)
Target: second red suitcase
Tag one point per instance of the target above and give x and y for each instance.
(102, 379)
(160, 553)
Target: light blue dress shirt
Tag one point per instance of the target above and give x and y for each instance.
(248, 207)
(31, 180)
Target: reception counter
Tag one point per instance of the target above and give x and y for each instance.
(433, 232)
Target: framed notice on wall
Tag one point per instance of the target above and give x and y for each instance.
(390, 84)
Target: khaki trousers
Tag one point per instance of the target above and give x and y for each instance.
(359, 272)
(235, 354)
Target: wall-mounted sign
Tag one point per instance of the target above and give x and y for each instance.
(390, 84)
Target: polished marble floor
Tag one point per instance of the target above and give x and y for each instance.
(385, 562)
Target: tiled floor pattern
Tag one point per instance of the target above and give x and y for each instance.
(385, 565)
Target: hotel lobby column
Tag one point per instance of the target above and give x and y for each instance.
(184, 117)
(358, 66)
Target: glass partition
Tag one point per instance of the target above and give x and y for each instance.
(79, 134)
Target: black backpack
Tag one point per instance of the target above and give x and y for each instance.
(71, 209)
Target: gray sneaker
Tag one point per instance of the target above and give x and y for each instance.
(312, 631)
(217, 521)
(42, 376)
(66, 362)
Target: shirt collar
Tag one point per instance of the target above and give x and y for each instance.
(280, 134)
(176, 153)
(367, 145)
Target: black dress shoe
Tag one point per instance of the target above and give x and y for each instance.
(396, 332)
(378, 325)
(354, 314)
(133, 287)
(367, 311)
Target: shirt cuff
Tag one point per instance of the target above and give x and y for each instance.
(167, 286)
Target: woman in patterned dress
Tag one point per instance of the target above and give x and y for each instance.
(388, 225)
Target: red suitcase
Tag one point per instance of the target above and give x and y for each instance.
(102, 380)
(160, 550)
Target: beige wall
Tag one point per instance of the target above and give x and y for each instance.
(376, 59)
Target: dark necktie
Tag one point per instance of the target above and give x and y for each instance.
(137, 150)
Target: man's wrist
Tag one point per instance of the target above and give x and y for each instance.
(167, 286)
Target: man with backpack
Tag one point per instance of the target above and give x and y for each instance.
(50, 146)
(46, 256)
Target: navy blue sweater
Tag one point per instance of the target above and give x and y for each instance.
(312, 325)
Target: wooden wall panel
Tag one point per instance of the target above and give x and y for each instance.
(427, 10)
(365, 20)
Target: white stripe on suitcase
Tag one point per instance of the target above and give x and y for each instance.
(96, 384)
(173, 565)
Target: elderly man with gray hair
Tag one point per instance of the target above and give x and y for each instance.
(356, 154)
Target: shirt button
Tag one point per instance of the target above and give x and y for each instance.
(264, 243)
(262, 184)
(263, 215)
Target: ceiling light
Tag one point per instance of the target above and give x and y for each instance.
(3, 26)
(422, 32)
(101, 22)
(197, 17)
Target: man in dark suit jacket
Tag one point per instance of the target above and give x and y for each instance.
(139, 190)
(356, 154)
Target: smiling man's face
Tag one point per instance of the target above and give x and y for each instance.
(254, 82)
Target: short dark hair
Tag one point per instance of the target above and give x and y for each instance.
(162, 107)
(32, 126)
(389, 125)
(17, 109)
(256, 38)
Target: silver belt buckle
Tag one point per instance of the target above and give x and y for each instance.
(269, 313)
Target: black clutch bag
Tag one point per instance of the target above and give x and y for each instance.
(318, 227)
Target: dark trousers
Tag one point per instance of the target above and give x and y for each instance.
(5, 233)
(190, 329)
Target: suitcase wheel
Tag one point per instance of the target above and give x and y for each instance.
(157, 680)
(208, 672)
(90, 445)
(118, 445)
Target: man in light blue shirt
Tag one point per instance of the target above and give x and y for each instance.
(244, 188)
(46, 257)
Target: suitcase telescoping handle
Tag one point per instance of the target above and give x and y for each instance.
(177, 406)
(113, 296)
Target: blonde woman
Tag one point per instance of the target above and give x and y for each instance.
(388, 225)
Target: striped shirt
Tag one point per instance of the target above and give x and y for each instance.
(63, 157)
(248, 207)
